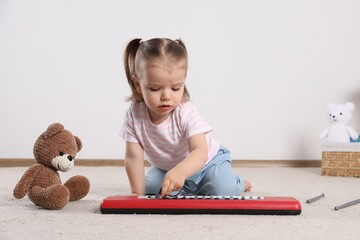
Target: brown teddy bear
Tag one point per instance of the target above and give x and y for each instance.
(54, 150)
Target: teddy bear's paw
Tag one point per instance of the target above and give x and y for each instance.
(78, 186)
(54, 197)
(19, 192)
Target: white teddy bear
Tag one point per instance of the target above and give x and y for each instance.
(340, 118)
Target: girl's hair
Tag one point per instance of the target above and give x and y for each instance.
(138, 51)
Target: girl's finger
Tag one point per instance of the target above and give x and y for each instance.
(165, 188)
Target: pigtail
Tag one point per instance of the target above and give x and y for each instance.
(186, 96)
(179, 41)
(129, 64)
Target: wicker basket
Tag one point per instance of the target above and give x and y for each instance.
(340, 159)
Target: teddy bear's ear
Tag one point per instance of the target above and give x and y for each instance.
(350, 106)
(53, 129)
(78, 143)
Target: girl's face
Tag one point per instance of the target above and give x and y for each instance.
(162, 87)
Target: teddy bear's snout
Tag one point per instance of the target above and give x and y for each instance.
(63, 162)
(333, 117)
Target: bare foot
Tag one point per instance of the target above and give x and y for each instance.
(248, 186)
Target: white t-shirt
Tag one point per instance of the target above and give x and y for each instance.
(165, 145)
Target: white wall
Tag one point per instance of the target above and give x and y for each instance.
(261, 72)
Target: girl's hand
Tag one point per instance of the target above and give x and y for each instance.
(173, 181)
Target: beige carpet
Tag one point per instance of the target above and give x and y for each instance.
(21, 219)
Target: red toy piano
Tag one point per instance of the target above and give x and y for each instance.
(154, 204)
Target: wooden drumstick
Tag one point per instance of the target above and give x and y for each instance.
(315, 198)
(348, 204)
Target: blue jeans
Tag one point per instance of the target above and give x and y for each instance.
(215, 178)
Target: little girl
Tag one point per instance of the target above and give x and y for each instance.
(165, 126)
